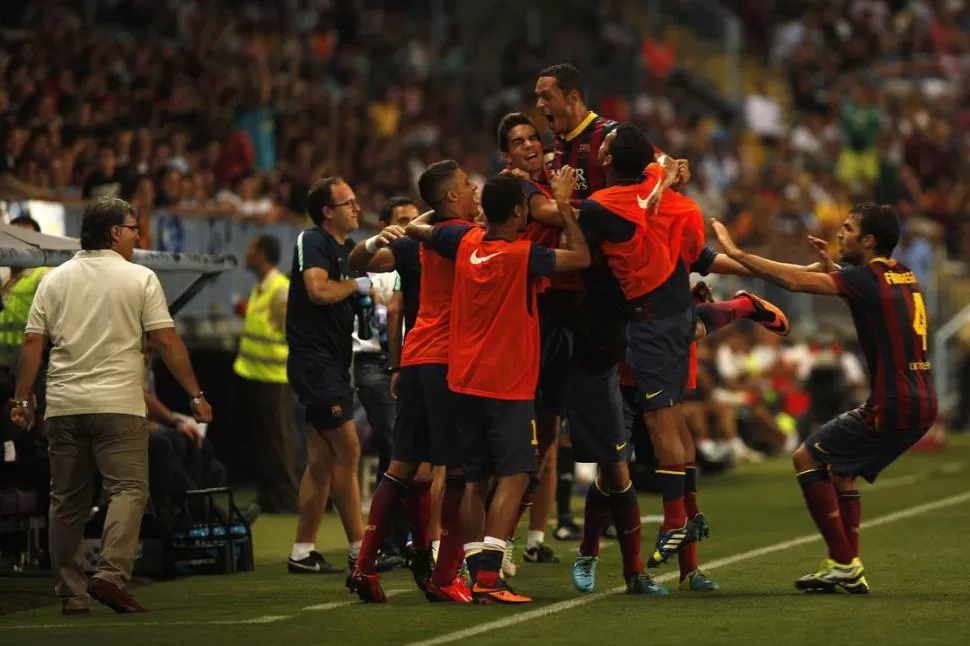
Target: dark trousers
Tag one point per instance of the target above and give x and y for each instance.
(265, 416)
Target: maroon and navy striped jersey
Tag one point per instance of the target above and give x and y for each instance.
(890, 320)
(579, 149)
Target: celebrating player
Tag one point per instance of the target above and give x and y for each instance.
(494, 320)
(890, 319)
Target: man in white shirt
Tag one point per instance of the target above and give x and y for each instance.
(94, 310)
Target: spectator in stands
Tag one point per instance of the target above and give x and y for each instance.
(95, 309)
(263, 397)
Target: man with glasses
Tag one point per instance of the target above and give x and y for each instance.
(95, 309)
(319, 332)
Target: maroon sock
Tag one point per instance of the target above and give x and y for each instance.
(722, 313)
(688, 557)
(417, 508)
(597, 515)
(451, 550)
(823, 505)
(850, 507)
(389, 492)
(671, 481)
(626, 516)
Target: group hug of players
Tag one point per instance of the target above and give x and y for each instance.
(557, 288)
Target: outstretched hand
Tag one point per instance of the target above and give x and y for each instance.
(724, 237)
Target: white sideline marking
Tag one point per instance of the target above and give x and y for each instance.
(340, 604)
(730, 560)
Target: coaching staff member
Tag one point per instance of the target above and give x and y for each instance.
(319, 331)
(95, 310)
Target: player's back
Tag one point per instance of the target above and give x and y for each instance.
(890, 317)
(428, 340)
(494, 349)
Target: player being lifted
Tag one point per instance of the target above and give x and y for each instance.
(889, 314)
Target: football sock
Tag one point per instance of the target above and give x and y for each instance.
(823, 505)
(850, 508)
(597, 515)
(491, 562)
(300, 551)
(670, 479)
(451, 551)
(473, 558)
(416, 501)
(565, 467)
(722, 313)
(389, 492)
(688, 557)
(535, 538)
(626, 517)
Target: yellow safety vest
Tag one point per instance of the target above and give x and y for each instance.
(262, 348)
(13, 318)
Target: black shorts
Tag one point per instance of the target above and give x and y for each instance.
(323, 387)
(594, 408)
(658, 351)
(498, 437)
(852, 447)
(556, 309)
(426, 426)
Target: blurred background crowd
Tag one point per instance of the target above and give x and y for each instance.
(788, 111)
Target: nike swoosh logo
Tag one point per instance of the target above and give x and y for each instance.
(652, 395)
(477, 260)
(642, 202)
(619, 447)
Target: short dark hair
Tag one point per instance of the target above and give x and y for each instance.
(26, 220)
(631, 151)
(321, 195)
(433, 181)
(98, 220)
(387, 211)
(879, 221)
(269, 246)
(500, 196)
(510, 121)
(568, 77)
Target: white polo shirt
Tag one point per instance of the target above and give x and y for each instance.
(95, 309)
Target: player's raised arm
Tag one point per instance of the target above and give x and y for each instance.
(792, 277)
(576, 254)
(373, 254)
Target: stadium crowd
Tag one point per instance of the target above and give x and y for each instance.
(204, 110)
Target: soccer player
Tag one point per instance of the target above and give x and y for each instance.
(427, 413)
(890, 318)
(494, 320)
(558, 296)
(319, 325)
(579, 135)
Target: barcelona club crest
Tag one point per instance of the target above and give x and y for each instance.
(583, 150)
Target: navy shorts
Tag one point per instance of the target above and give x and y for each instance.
(594, 408)
(425, 429)
(497, 437)
(658, 351)
(323, 387)
(852, 447)
(556, 308)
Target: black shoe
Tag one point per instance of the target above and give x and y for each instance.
(313, 564)
(421, 564)
(569, 531)
(540, 553)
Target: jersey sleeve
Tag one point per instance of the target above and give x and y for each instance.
(857, 284)
(704, 262)
(542, 260)
(312, 250)
(446, 238)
